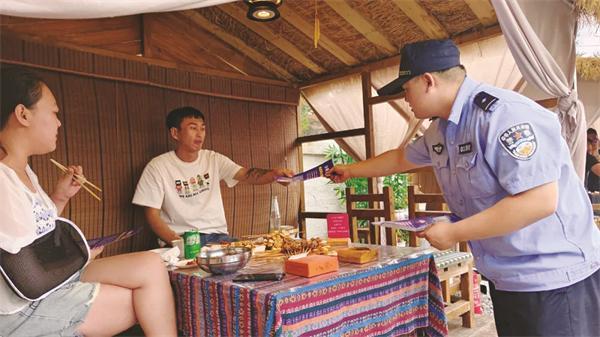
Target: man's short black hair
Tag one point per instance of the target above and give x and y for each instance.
(592, 131)
(175, 117)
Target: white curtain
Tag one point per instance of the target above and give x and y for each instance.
(88, 9)
(339, 103)
(545, 55)
(589, 91)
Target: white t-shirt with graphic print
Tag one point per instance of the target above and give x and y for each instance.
(188, 194)
(25, 215)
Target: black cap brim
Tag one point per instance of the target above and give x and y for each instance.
(394, 87)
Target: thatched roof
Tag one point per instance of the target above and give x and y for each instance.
(588, 68)
(590, 7)
(355, 34)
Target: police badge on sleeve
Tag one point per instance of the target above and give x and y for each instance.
(519, 141)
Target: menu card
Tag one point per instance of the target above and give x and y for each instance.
(105, 240)
(338, 226)
(315, 172)
(417, 224)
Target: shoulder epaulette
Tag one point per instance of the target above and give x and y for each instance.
(485, 101)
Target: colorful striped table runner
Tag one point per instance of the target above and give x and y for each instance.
(389, 298)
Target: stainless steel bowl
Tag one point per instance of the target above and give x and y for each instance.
(224, 261)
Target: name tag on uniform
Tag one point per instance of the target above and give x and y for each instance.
(465, 148)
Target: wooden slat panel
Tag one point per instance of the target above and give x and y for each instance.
(277, 93)
(177, 78)
(241, 154)
(259, 120)
(199, 82)
(76, 60)
(109, 66)
(292, 95)
(221, 142)
(260, 91)
(11, 48)
(116, 162)
(145, 108)
(173, 100)
(277, 155)
(157, 74)
(290, 130)
(136, 70)
(220, 85)
(83, 148)
(40, 54)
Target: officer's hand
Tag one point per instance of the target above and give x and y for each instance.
(338, 173)
(440, 235)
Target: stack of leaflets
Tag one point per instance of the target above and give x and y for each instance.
(417, 224)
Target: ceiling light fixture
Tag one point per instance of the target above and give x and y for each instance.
(263, 10)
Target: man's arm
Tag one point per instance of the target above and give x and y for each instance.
(387, 163)
(159, 227)
(596, 169)
(508, 215)
(258, 176)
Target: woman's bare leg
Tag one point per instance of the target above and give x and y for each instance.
(145, 275)
(112, 312)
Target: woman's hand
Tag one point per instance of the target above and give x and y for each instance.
(66, 187)
(94, 252)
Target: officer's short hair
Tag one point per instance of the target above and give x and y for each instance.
(457, 73)
(175, 117)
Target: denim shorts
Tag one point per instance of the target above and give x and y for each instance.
(59, 314)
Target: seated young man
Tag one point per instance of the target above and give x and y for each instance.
(180, 189)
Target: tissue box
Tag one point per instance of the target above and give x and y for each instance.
(312, 265)
(358, 255)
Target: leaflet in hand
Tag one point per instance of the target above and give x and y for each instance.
(105, 240)
(314, 172)
(417, 224)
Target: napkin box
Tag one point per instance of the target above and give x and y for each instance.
(312, 265)
(357, 255)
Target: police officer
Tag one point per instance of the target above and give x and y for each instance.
(506, 171)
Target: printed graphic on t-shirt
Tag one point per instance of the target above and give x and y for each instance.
(193, 186)
(44, 217)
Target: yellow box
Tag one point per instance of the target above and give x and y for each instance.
(358, 255)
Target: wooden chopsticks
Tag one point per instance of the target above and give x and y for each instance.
(80, 179)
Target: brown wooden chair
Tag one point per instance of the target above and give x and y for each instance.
(382, 209)
(455, 266)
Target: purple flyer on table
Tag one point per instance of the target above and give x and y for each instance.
(417, 224)
(105, 240)
(314, 172)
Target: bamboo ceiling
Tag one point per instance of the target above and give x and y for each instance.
(354, 35)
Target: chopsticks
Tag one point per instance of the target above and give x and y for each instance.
(80, 179)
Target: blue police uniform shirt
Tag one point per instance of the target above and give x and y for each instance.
(482, 155)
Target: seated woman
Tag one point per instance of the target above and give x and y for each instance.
(111, 294)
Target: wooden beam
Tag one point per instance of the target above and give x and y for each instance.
(461, 39)
(149, 61)
(331, 135)
(146, 36)
(308, 29)
(278, 40)
(237, 43)
(354, 18)
(384, 99)
(426, 22)
(484, 11)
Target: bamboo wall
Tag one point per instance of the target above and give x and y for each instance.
(113, 122)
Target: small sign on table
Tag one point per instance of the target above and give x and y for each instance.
(338, 229)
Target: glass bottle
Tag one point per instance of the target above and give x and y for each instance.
(275, 219)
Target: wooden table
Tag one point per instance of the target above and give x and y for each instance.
(396, 295)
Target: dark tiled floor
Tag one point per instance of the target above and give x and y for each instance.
(484, 327)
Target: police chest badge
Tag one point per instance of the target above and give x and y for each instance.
(519, 141)
(438, 148)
